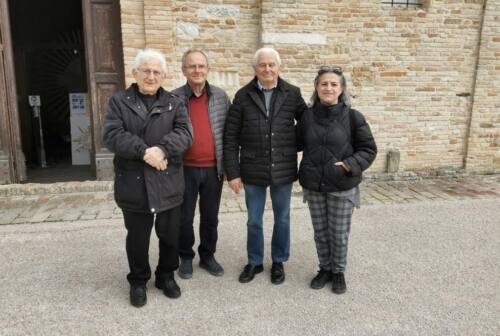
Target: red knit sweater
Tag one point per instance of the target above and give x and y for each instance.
(202, 152)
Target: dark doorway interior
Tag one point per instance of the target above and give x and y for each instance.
(49, 59)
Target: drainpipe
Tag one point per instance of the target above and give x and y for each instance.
(473, 90)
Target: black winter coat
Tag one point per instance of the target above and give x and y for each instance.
(262, 150)
(128, 131)
(326, 135)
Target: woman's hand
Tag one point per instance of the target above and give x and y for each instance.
(343, 165)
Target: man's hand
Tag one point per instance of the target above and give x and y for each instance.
(235, 185)
(155, 157)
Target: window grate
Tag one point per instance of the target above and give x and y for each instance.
(407, 3)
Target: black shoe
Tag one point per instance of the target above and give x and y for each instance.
(249, 272)
(186, 268)
(138, 297)
(320, 280)
(212, 266)
(169, 286)
(338, 283)
(277, 273)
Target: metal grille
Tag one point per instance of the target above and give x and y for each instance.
(407, 3)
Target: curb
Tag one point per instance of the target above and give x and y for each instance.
(55, 188)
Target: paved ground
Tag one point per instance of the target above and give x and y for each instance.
(423, 260)
(35, 203)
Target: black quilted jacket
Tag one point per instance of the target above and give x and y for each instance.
(329, 134)
(262, 150)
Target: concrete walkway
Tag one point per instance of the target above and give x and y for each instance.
(423, 260)
(36, 203)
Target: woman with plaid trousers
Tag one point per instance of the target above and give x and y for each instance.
(337, 146)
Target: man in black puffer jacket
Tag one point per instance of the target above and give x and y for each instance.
(260, 151)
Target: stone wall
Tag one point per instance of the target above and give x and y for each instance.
(412, 70)
(484, 140)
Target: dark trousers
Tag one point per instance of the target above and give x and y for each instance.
(206, 183)
(139, 226)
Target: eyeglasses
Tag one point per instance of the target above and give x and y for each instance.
(148, 72)
(194, 67)
(328, 68)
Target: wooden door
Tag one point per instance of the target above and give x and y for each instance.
(104, 54)
(12, 163)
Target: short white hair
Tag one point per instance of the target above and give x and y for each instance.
(144, 55)
(266, 51)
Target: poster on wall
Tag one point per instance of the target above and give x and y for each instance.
(80, 128)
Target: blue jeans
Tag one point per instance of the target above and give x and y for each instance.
(255, 198)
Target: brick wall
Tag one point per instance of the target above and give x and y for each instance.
(413, 71)
(484, 140)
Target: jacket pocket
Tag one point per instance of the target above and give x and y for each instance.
(130, 189)
(334, 174)
(165, 187)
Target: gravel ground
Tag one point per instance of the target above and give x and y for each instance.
(428, 268)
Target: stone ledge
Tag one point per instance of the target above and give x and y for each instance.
(419, 175)
(54, 188)
(11, 190)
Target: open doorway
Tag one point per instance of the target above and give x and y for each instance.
(49, 61)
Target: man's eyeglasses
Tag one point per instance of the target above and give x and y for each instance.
(148, 72)
(328, 68)
(194, 67)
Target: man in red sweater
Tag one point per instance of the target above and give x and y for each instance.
(203, 175)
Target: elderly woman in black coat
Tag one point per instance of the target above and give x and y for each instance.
(148, 130)
(337, 146)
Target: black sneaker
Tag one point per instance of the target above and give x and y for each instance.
(186, 268)
(338, 283)
(212, 266)
(320, 280)
(138, 297)
(169, 286)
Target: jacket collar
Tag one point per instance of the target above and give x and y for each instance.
(188, 92)
(281, 92)
(137, 105)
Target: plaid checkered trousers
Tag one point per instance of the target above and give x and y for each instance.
(331, 219)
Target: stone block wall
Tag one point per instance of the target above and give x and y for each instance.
(412, 70)
(484, 140)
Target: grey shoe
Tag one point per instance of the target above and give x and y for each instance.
(186, 268)
(212, 266)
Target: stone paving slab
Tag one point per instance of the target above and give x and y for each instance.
(37, 203)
